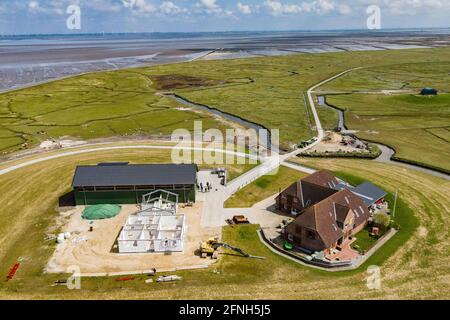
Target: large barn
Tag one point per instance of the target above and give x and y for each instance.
(123, 183)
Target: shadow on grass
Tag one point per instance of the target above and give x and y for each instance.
(67, 200)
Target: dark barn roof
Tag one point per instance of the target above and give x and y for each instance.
(134, 175)
(369, 193)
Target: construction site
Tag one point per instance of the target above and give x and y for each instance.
(155, 235)
(156, 227)
(159, 233)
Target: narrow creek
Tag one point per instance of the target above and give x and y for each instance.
(265, 138)
(341, 122)
(386, 152)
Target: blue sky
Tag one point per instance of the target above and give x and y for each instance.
(49, 16)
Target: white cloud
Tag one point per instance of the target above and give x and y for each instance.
(49, 7)
(168, 7)
(345, 9)
(209, 6)
(142, 6)
(212, 7)
(145, 7)
(102, 5)
(33, 5)
(324, 5)
(279, 7)
(244, 8)
(412, 6)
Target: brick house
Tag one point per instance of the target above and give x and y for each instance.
(306, 192)
(328, 210)
(328, 223)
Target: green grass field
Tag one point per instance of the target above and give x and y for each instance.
(23, 226)
(416, 127)
(263, 188)
(414, 263)
(268, 91)
(363, 241)
(100, 105)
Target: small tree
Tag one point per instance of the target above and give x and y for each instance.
(382, 220)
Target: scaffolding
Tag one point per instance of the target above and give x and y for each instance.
(156, 227)
(160, 202)
(152, 233)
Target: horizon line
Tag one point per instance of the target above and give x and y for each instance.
(226, 31)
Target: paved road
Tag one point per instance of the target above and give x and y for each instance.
(213, 209)
(386, 157)
(275, 161)
(94, 149)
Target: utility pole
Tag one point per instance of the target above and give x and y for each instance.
(395, 204)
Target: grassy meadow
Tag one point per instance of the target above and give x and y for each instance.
(268, 90)
(383, 104)
(414, 263)
(264, 187)
(23, 226)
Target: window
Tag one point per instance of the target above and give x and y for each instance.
(310, 235)
(104, 188)
(145, 188)
(125, 188)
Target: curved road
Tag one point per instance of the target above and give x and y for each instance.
(387, 153)
(386, 157)
(319, 127)
(77, 152)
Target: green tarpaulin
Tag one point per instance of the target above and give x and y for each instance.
(101, 211)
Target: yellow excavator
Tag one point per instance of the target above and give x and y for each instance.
(212, 246)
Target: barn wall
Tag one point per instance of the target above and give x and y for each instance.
(126, 197)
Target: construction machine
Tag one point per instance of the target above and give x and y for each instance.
(212, 246)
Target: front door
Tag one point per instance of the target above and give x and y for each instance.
(289, 202)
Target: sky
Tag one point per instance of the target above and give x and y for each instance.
(50, 16)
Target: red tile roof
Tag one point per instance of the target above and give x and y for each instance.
(324, 216)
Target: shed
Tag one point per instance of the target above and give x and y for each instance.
(429, 92)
